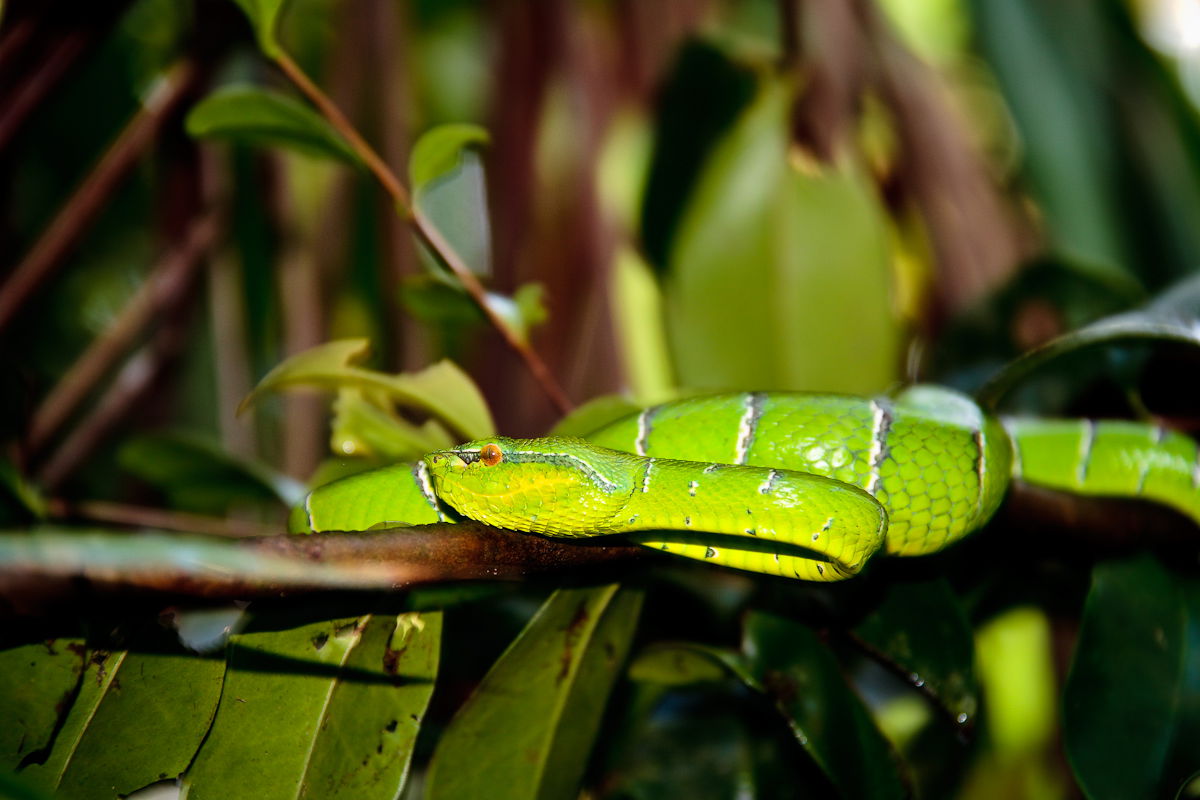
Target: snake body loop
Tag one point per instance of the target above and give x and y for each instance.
(806, 486)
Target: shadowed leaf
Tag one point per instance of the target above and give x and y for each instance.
(547, 693)
(263, 117)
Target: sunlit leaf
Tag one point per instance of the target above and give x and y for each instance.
(791, 665)
(159, 702)
(265, 117)
(595, 414)
(329, 708)
(40, 679)
(264, 18)
(198, 475)
(920, 631)
(1131, 705)
(804, 253)
(1016, 670)
(364, 425)
(547, 693)
(443, 390)
(638, 321)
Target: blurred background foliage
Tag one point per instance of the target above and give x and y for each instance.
(659, 198)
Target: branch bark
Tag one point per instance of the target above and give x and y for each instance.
(271, 566)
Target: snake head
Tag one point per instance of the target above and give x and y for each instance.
(555, 486)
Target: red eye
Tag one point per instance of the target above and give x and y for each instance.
(490, 455)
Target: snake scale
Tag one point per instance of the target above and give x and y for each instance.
(805, 486)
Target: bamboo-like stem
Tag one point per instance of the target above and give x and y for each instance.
(161, 290)
(425, 230)
(78, 212)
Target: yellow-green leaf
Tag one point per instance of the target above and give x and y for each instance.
(442, 390)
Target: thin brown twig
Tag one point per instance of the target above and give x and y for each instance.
(146, 517)
(168, 281)
(425, 230)
(64, 232)
(133, 382)
(30, 93)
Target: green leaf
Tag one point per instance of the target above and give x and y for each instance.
(364, 424)
(40, 679)
(1173, 317)
(523, 312)
(439, 152)
(324, 709)
(547, 694)
(449, 189)
(159, 701)
(805, 251)
(684, 664)
(791, 665)
(198, 475)
(264, 18)
(920, 630)
(638, 320)
(594, 415)
(264, 117)
(25, 496)
(442, 390)
(1131, 704)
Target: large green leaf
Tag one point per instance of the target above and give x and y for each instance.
(319, 709)
(1131, 705)
(40, 680)
(265, 117)
(805, 254)
(920, 631)
(528, 729)
(158, 702)
(791, 665)
(442, 390)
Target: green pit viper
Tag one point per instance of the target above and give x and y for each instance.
(805, 486)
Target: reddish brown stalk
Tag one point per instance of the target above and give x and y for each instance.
(133, 382)
(29, 95)
(165, 286)
(143, 517)
(82, 208)
(425, 230)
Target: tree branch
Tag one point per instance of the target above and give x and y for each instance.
(269, 566)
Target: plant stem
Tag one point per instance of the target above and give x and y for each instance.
(425, 230)
(96, 190)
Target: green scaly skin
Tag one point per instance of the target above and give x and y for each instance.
(800, 485)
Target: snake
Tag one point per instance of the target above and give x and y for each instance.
(800, 485)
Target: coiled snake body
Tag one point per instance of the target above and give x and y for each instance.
(805, 486)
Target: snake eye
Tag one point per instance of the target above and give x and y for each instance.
(490, 455)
